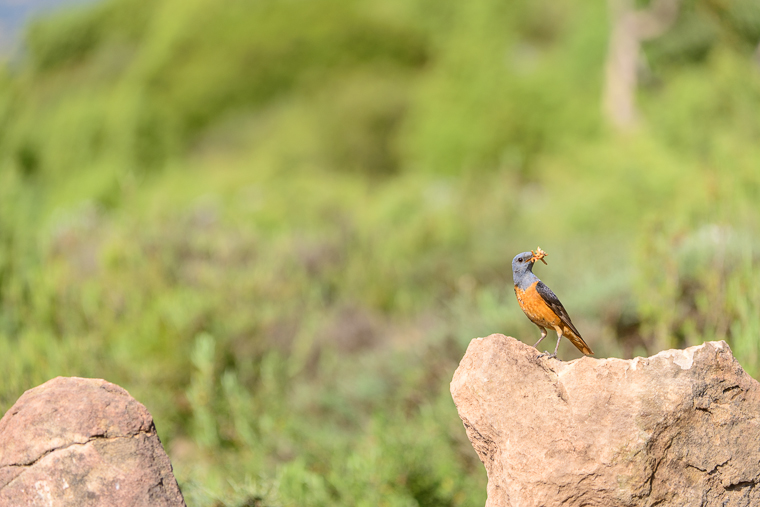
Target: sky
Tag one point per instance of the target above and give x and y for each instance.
(15, 13)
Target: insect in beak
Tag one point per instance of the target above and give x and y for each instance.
(538, 255)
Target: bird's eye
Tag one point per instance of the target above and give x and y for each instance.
(519, 260)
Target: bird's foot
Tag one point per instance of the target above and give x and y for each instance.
(548, 354)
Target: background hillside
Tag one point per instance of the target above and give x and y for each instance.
(279, 223)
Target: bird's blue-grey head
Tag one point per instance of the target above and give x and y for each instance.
(522, 269)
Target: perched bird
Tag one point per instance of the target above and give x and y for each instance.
(541, 305)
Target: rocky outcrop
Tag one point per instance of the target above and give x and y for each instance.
(83, 442)
(681, 428)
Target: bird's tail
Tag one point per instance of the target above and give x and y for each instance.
(576, 340)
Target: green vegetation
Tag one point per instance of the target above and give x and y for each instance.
(279, 224)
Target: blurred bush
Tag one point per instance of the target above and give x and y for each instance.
(278, 224)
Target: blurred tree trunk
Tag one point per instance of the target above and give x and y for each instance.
(630, 27)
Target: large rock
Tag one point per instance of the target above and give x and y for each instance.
(681, 428)
(83, 442)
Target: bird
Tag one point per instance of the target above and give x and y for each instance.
(541, 305)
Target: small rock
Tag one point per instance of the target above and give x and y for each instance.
(83, 442)
(679, 428)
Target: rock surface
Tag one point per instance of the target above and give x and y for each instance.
(83, 442)
(681, 428)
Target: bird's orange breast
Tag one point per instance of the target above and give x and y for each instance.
(536, 308)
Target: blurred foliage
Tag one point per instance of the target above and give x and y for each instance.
(278, 224)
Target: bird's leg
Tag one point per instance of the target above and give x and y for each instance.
(543, 335)
(559, 339)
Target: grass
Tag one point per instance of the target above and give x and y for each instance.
(280, 228)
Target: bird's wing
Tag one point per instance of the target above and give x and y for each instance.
(552, 300)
